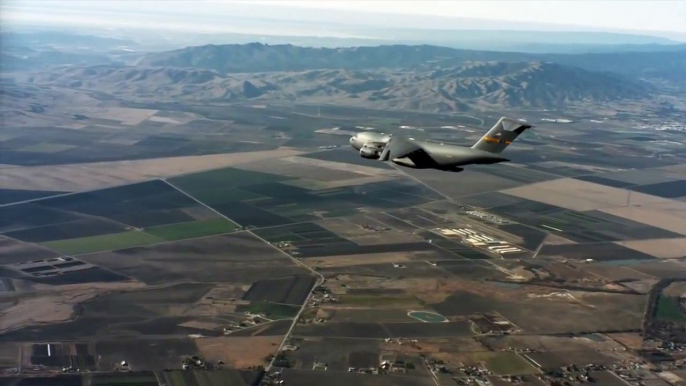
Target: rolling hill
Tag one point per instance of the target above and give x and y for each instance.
(473, 85)
(257, 57)
(667, 65)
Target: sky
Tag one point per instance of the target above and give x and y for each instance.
(656, 15)
(667, 17)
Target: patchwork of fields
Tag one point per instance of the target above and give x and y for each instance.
(340, 263)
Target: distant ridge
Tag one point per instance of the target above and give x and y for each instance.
(256, 57)
(473, 85)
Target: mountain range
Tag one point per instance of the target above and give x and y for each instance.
(256, 57)
(472, 85)
(424, 77)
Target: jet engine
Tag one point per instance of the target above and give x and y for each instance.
(370, 151)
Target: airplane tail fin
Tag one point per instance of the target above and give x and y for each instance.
(501, 135)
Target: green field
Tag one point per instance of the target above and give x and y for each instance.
(102, 243)
(270, 310)
(429, 317)
(509, 363)
(669, 309)
(503, 363)
(189, 230)
(46, 147)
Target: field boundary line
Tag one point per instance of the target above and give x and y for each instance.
(153, 179)
(65, 194)
(38, 199)
(320, 278)
(198, 201)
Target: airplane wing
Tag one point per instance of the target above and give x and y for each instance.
(424, 155)
(398, 147)
(427, 155)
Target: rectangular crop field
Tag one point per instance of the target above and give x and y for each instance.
(8, 196)
(68, 230)
(139, 205)
(556, 359)
(503, 363)
(190, 230)
(249, 215)
(222, 195)
(670, 189)
(31, 215)
(290, 290)
(125, 379)
(669, 309)
(598, 251)
(237, 257)
(102, 243)
(223, 178)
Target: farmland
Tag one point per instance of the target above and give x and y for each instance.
(192, 229)
(286, 291)
(112, 219)
(270, 310)
(92, 244)
(669, 309)
(237, 257)
(251, 236)
(501, 363)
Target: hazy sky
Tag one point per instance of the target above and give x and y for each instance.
(225, 15)
(618, 14)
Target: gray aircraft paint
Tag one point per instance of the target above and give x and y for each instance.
(429, 155)
(501, 135)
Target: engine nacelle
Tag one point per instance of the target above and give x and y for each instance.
(370, 153)
(371, 150)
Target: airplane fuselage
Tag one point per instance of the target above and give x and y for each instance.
(449, 157)
(370, 145)
(358, 140)
(453, 155)
(409, 152)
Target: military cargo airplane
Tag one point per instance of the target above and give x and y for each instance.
(430, 155)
